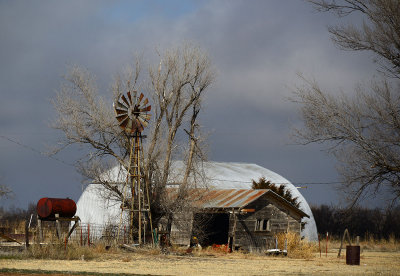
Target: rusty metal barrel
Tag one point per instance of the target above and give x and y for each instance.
(47, 208)
(353, 254)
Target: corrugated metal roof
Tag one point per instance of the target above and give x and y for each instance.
(226, 198)
(230, 198)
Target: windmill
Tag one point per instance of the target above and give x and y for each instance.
(132, 114)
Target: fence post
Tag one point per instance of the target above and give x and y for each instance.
(81, 237)
(26, 234)
(88, 234)
(319, 245)
(327, 238)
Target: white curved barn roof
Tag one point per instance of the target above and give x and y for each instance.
(91, 208)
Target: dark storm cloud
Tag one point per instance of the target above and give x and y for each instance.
(257, 48)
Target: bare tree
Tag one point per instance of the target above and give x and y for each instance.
(379, 33)
(179, 82)
(5, 191)
(363, 132)
(176, 85)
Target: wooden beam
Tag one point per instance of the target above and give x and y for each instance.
(40, 230)
(233, 230)
(9, 238)
(76, 219)
(247, 210)
(58, 226)
(26, 234)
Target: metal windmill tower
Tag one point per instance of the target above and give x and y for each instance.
(131, 113)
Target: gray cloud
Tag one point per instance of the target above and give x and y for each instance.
(257, 47)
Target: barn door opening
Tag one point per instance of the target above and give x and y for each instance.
(211, 229)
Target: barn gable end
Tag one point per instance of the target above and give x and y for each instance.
(257, 230)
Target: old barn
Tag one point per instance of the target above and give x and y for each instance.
(243, 218)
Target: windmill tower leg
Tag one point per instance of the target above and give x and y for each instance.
(131, 112)
(138, 182)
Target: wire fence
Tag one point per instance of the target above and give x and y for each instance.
(87, 234)
(84, 234)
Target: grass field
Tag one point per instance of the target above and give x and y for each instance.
(378, 257)
(142, 263)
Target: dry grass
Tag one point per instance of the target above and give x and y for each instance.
(58, 251)
(144, 250)
(372, 263)
(302, 260)
(13, 227)
(296, 247)
(369, 244)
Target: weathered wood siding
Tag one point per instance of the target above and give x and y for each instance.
(181, 229)
(280, 220)
(280, 215)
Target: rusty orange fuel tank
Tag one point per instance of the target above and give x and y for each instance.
(47, 208)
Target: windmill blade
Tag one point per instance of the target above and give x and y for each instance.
(121, 117)
(145, 109)
(120, 111)
(140, 98)
(140, 128)
(142, 122)
(146, 101)
(125, 100)
(145, 117)
(129, 97)
(121, 106)
(124, 122)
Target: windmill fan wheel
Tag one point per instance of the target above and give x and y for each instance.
(131, 112)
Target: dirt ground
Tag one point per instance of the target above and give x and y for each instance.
(372, 263)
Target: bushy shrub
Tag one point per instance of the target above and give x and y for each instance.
(296, 247)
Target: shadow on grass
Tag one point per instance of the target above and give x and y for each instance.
(13, 271)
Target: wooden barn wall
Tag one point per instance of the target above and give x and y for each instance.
(181, 228)
(246, 237)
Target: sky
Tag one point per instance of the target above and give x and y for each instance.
(257, 47)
